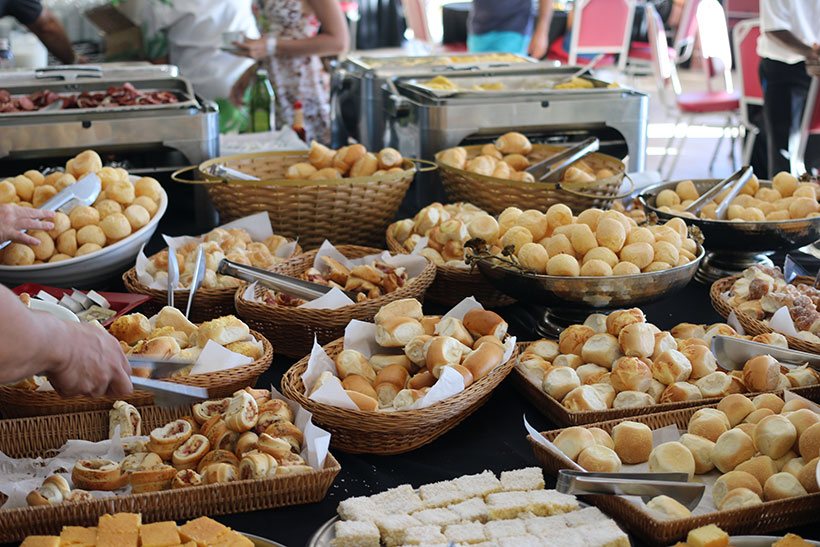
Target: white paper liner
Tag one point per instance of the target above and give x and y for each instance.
(19, 476)
(666, 434)
(733, 322)
(257, 225)
(336, 298)
(361, 336)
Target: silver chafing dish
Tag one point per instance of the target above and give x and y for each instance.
(357, 99)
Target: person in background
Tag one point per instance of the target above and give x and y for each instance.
(193, 32)
(43, 24)
(290, 48)
(506, 26)
(789, 43)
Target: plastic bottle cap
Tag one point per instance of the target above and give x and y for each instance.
(297, 105)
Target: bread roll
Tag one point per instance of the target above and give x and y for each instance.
(571, 361)
(716, 384)
(731, 449)
(559, 381)
(802, 376)
(534, 368)
(792, 466)
(602, 437)
(406, 307)
(630, 374)
(443, 351)
(761, 373)
(809, 443)
(583, 398)
(422, 380)
(668, 508)
(429, 323)
(601, 349)
(354, 382)
(599, 459)
(663, 342)
(573, 338)
(702, 360)
(757, 415)
(731, 480)
(739, 498)
(484, 360)
(589, 373)
(450, 326)
(397, 332)
(619, 319)
(802, 419)
(807, 476)
(671, 366)
(573, 440)
(796, 404)
(380, 362)
(606, 392)
(688, 330)
(633, 442)
(350, 361)
(679, 392)
(416, 349)
(485, 323)
(637, 340)
(363, 401)
(770, 401)
(597, 322)
(712, 413)
(672, 457)
(701, 449)
(656, 390)
(736, 407)
(632, 399)
(781, 486)
(774, 436)
(546, 349)
(760, 467)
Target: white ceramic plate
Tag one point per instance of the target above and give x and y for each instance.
(758, 541)
(54, 309)
(90, 270)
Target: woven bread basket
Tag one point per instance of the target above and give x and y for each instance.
(716, 294)
(355, 210)
(208, 302)
(35, 437)
(16, 402)
(760, 519)
(494, 195)
(754, 326)
(387, 433)
(452, 284)
(561, 415)
(292, 330)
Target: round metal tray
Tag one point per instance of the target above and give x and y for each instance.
(261, 542)
(734, 246)
(759, 541)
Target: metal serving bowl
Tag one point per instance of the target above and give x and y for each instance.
(733, 246)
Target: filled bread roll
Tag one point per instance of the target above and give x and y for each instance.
(406, 307)
(701, 449)
(397, 332)
(574, 440)
(781, 486)
(679, 392)
(731, 480)
(731, 449)
(739, 498)
(350, 361)
(601, 349)
(760, 467)
(583, 398)
(736, 407)
(668, 508)
(632, 399)
(242, 412)
(672, 457)
(671, 366)
(630, 374)
(559, 381)
(633, 442)
(761, 373)
(573, 338)
(484, 360)
(602, 437)
(599, 459)
(774, 436)
(637, 340)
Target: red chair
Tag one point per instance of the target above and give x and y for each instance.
(808, 127)
(601, 27)
(745, 35)
(689, 105)
(739, 10)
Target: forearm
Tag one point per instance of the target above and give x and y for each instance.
(320, 45)
(790, 41)
(49, 30)
(542, 19)
(26, 339)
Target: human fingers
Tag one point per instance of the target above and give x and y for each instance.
(35, 213)
(33, 224)
(25, 239)
(120, 383)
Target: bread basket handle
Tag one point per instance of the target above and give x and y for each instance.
(428, 166)
(596, 196)
(175, 176)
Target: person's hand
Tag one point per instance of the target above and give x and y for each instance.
(538, 45)
(238, 88)
(89, 361)
(254, 48)
(14, 218)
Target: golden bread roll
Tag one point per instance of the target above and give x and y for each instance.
(602, 437)
(484, 360)
(701, 449)
(671, 366)
(632, 399)
(731, 480)
(782, 486)
(679, 392)
(633, 442)
(454, 328)
(637, 340)
(760, 467)
(352, 362)
(571, 361)
(573, 338)
(715, 384)
(589, 373)
(802, 376)
(708, 426)
(672, 457)
(731, 449)
(770, 401)
(736, 407)
(668, 508)
(774, 436)
(802, 419)
(364, 402)
(485, 323)
(795, 404)
(619, 319)
(599, 459)
(397, 332)
(809, 443)
(793, 465)
(559, 381)
(606, 392)
(573, 440)
(546, 349)
(406, 307)
(739, 498)
(807, 476)
(656, 390)
(601, 349)
(631, 374)
(756, 415)
(443, 351)
(761, 373)
(583, 398)
(701, 359)
(354, 382)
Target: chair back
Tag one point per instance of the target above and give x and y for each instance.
(601, 26)
(665, 71)
(742, 9)
(687, 31)
(744, 37)
(714, 43)
(416, 16)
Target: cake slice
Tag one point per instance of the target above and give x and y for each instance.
(159, 534)
(402, 499)
(529, 478)
(393, 528)
(202, 531)
(441, 494)
(526, 540)
(473, 509)
(538, 526)
(544, 503)
(424, 535)
(356, 534)
(480, 485)
(468, 532)
(605, 534)
(707, 536)
(41, 541)
(359, 508)
(118, 530)
(507, 505)
(232, 539)
(78, 536)
(587, 515)
(498, 529)
(440, 516)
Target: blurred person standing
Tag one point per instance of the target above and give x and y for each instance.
(509, 26)
(296, 34)
(44, 24)
(789, 43)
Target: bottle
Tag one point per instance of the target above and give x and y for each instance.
(262, 111)
(6, 56)
(299, 121)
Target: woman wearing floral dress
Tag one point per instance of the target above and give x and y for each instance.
(290, 49)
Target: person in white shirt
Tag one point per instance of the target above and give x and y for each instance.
(789, 39)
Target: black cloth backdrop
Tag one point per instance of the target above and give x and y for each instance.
(381, 24)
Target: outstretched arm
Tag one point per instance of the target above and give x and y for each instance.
(51, 32)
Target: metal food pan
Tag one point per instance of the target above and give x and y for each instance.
(428, 61)
(514, 84)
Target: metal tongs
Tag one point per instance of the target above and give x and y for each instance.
(158, 369)
(291, 286)
(170, 394)
(196, 281)
(735, 182)
(645, 485)
(223, 172)
(551, 168)
(732, 353)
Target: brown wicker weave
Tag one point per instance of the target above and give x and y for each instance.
(208, 302)
(559, 414)
(386, 433)
(452, 285)
(352, 210)
(291, 330)
(18, 403)
(716, 294)
(32, 437)
(494, 194)
(768, 517)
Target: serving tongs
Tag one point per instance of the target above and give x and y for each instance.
(83, 192)
(551, 168)
(157, 369)
(732, 353)
(170, 394)
(292, 286)
(734, 182)
(644, 485)
(223, 172)
(196, 280)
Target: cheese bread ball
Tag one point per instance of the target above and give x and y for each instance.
(45, 249)
(147, 186)
(533, 257)
(88, 248)
(148, 204)
(83, 216)
(18, 254)
(122, 192)
(563, 265)
(107, 207)
(41, 194)
(90, 234)
(137, 216)
(116, 227)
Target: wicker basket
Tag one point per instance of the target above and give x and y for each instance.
(452, 285)
(292, 330)
(33, 437)
(353, 210)
(208, 302)
(19, 403)
(768, 517)
(559, 414)
(386, 433)
(494, 194)
(716, 294)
